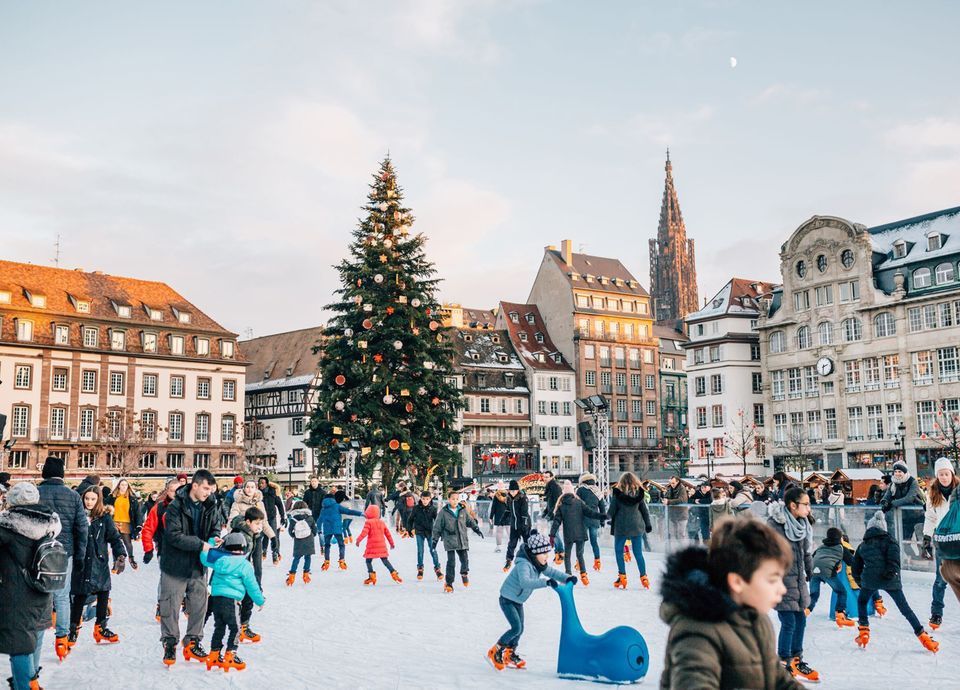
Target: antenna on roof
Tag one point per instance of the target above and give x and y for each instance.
(248, 333)
(581, 247)
(56, 256)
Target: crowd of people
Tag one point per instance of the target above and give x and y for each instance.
(60, 547)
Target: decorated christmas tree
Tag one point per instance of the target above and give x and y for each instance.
(386, 359)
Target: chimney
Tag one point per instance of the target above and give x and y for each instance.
(566, 251)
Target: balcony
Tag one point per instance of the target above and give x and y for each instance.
(622, 416)
(606, 388)
(636, 390)
(48, 435)
(605, 361)
(621, 390)
(634, 442)
(621, 363)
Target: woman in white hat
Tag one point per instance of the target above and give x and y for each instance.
(942, 490)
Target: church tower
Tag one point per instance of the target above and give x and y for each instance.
(673, 266)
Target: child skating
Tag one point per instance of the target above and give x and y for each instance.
(332, 524)
(303, 529)
(422, 519)
(377, 534)
(572, 513)
(451, 525)
(828, 561)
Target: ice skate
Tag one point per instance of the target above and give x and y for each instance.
(326, 566)
(371, 578)
(396, 577)
(802, 669)
(645, 581)
(342, 563)
(101, 633)
(195, 651)
(584, 579)
(291, 578)
(306, 577)
(495, 657)
(842, 621)
(247, 635)
(620, 582)
(863, 637)
(928, 642)
(231, 660)
(596, 564)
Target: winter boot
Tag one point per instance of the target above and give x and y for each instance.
(291, 578)
(626, 553)
(371, 578)
(62, 647)
(232, 660)
(842, 620)
(306, 577)
(645, 581)
(596, 564)
(802, 670)
(465, 578)
(928, 642)
(194, 650)
(584, 579)
(215, 660)
(396, 576)
(620, 582)
(419, 572)
(448, 589)
(512, 659)
(506, 566)
(247, 634)
(326, 566)
(936, 620)
(276, 561)
(157, 614)
(495, 657)
(170, 652)
(438, 573)
(343, 564)
(72, 636)
(101, 633)
(879, 607)
(863, 638)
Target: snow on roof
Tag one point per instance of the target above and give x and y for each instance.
(738, 296)
(914, 231)
(288, 382)
(866, 473)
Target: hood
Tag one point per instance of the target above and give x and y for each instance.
(300, 512)
(775, 511)
(687, 590)
(32, 522)
(372, 512)
(226, 563)
(567, 498)
(626, 499)
(719, 506)
(241, 497)
(329, 502)
(239, 524)
(827, 541)
(875, 533)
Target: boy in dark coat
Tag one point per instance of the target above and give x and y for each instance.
(828, 561)
(589, 493)
(571, 512)
(302, 529)
(876, 566)
(519, 520)
(421, 521)
(451, 525)
(551, 494)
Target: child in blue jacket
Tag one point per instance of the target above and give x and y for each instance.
(523, 579)
(233, 577)
(331, 524)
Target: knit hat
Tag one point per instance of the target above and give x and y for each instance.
(878, 520)
(587, 477)
(736, 486)
(514, 485)
(902, 466)
(538, 543)
(181, 476)
(23, 494)
(943, 464)
(235, 542)
(567, 486)
(340, 496)
(238, 480)
(52, 467)
(5, 478)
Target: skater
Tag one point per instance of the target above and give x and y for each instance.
(303, 529)
(717, 601)
(516, 589)
(519, 520)
(233, 580)
(126, 516)
(876, 566)
(719, 507)
(629, 518)
(828, 561)
(698, 523)
(674, 498)
(24, 610)
(451, 526)
(790, 520)
(551, 494)
(499, 516)
(571, 513)
(903, 492)
(251, 525)
(331, 523)
(91, 575)
(273, 508)
(740, 498)
(340, 496)
(404, 505)
(151, 536)
(377, 534)
(251, 497)
(190, 520)
(313, 497)
(939, 494)
(589, 493)
(375, 497)
(422, 519)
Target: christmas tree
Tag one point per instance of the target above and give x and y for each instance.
(386, 358)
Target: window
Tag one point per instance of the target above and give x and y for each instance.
(148, 425)
(203, 388)
(854, 423)
(116, 383)
(716, 384)
(555, 406)
(87, 421)
(871, 373)
(86, 460)
(229, 389)
(894, 417)
(20, 424)
(825, 333)
(118, 339)
(926, 416)
(175, 426)
(780, 428)
(176, 344)
(484, 404)
(717, 414)
(947, 364)
(899, 249)
(921, 278)
(794, 382)
(202, 433)
(891, 371)
(851, 375)
(567, 408)
(148, 461)
(846, 258)
(59, 380)
(114, 461)
(803, 338)
(91, 336)
(945, 273)
(701, 417)
(830, 417)
(554, 433)
(884, 325)
(651, 408)
(777, 342)
(758, 414)
(824, 295)
(700, 385)
(226, 349)
(58, 416)
(541, 407)
(22, 374)
(851, 330)
(755, 352)
(714, 353)
(150, 385)
(810, 380)
(801, 269)
(523, 337)
(88, 381)
(850, 291)
(874, 422)
(175, 461)
(649, 382)
(149, 342)
(588, 351)
(176, 386)
(24, 330)
(590, 378)
(227, 460)
(814, 434)
(922, 367)
(202, 346)
(61, 335)
(636, 407)
(228, 424)
(933, 242)
(801, 300)
(776, 385)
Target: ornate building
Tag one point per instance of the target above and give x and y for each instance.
(673, 266)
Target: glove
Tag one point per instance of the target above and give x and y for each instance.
(885, 506)
(571, 580)
(136, 535)
(649, 529)
(147, 557)
(552, 583)
(927, 548)
(119, 564)
(479, 533)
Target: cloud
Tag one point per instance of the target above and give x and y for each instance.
(929, 133)
(681, 42)
(930, 162)
(789, 93)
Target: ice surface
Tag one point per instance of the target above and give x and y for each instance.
(336, 633)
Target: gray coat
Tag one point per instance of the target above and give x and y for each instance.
(902, 495)
(452, 528)
(571, 512)
(826, 559)
(797, 597)
(628, 516)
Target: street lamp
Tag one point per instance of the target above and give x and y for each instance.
(902, 446)
(290, 470)
(710, 456)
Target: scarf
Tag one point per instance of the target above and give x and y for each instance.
(796, 530)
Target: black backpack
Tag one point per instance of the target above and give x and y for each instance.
(48, 570)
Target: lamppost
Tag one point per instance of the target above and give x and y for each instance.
(290, 470)
(902, 446)
(710, 456)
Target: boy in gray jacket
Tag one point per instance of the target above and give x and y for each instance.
(525, 577)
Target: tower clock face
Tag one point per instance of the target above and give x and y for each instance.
(824, 366)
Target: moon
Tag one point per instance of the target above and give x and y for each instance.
(733, 62)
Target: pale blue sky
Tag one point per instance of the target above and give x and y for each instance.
(224, 147)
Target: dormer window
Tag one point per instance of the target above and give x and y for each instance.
(934, 241)
(149, 341)
(514, 317)
(503, 358)
(24, 330)
(467, 338)
(589, 278)
(61, 334)
(558, 358)
(124, 311)
(522, 336)
(36, 301)
(202, 346)
(5, 297)
(118, 339)
(530, 318)
(495, 339)
(182, 316)
(176, 344)
(539, 337)
(475, 356)
(541, 357)
(226, 349)
(155, 314)
(574, 276)
(603, 280)
(508, 380)
(899, 249)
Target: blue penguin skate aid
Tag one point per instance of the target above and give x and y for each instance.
(619, 655)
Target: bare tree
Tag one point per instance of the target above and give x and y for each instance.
(125, 435)
(797, 456)
(742, 441)
(676, 451)
(258, 447)
(946, 432)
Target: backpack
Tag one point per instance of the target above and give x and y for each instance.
(301, 530)
(48, 570)
(411, 501)
(947, 534)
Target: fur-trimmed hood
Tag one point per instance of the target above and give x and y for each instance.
(305, 512)
(687, 590)
(33, 522)
(250, 501)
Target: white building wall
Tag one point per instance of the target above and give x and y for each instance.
(562, 456)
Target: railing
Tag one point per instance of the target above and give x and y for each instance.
(621, 390)
(604, 361)
(636, 390)
(620, 362)
(606, 388)
(622, 416)
(48, 435)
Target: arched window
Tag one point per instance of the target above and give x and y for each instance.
(825, 333)
(884, 324)
(945, 273)
(777, 342)
(803, 338)
(851, 330)
(921, 278)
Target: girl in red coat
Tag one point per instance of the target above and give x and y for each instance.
(377, 534)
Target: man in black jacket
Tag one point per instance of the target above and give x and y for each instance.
(274, 508)
(68, 506)
(190, 520)
(519, 520)
(551, 494)
(313, 497)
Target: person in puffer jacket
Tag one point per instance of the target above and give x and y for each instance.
(331, 524)
(589, 493)
(377, 534)
(827, 564)
(302, 530)
(451, 526)
(530, 572)
(572, 513)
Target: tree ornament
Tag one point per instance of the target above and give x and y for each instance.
(368, 324)
(435, 401)
(379, 452)
(394, 444)
(359, 282)
(428, 365)
(390, 310)
(353, 418)
(362, 344)
(402, 299)
(348, 332)
(415, 331)
(404, 446)
(415, 302)
(388, 243)
(340, 379)
(339, 405)
(388, 399)
(384, 206)
(427, 311)
(383, 258)
(396, 215)
(378, 358)
(434, 325)
(404, 392)
(421, 391)
(368, 307)
(408, 407)
(439, 338)
(358, 299)
(397, 344)
(378, 278)
(384, 176)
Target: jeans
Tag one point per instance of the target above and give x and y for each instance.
(790, 639)
(346, 527)
(61, 602)
(618, 544)
(433, 552)
(24, 667)
(836, 584)
(594, 534)
(514, 614)
(327, 539)
(939, 589)
(452, 564)
(296, 563)
(224, 619)
(898, 599)
(558, 543)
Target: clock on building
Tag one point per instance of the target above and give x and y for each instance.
(824, 366)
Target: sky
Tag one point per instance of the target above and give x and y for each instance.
(225, 147)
